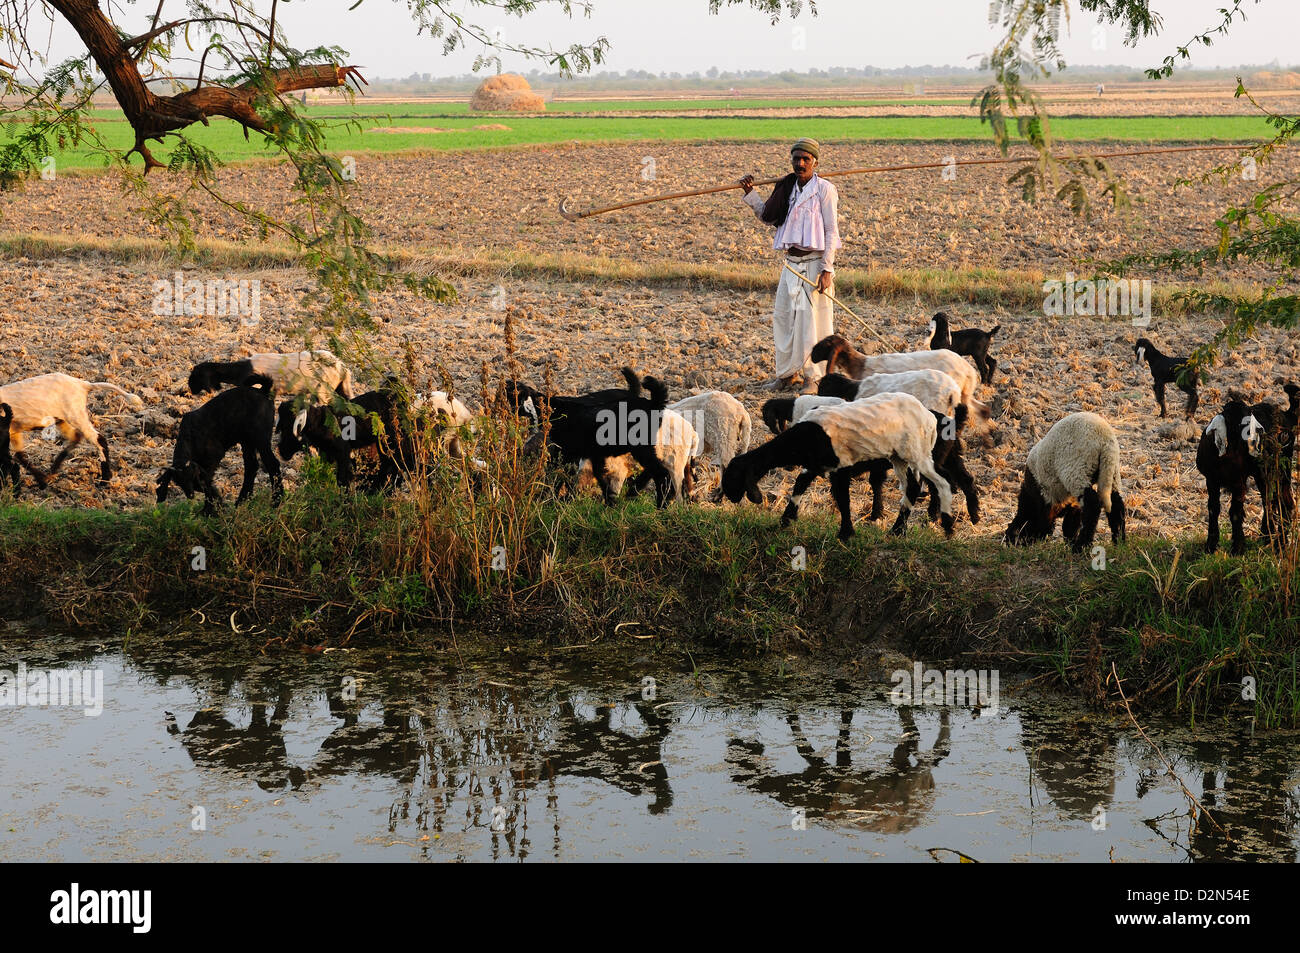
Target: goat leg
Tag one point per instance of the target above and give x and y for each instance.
(40, 476)
(273, 471)
(250, 472)
(1237, 516)
(105, 470)
(840, 480)
(1212, 522)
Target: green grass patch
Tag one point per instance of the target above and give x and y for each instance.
(226, 139)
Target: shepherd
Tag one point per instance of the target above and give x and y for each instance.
(804, 209)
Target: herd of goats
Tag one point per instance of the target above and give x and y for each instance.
(902, 411)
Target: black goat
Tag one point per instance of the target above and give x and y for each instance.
(336, 434)
(243, 415)
(8, 468)
(972, 342)
(1167, 370)
(604, 424)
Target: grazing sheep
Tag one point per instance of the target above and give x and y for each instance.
(56, 400)
(972, 342)
(840, 355)
(846, 440)
(1079, 451)
(243, 415)
(722, 422)
(605, 424)
(1166, 370)
(7, 466)
(318, 373)
(936, 389)
(677, 443)
(782, 412)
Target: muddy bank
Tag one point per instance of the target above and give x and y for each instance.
(1181, 628)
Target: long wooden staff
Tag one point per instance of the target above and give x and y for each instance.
(839, 304)
(573, 215)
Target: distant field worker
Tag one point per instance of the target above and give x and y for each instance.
(804, 209)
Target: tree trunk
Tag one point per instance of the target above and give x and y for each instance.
(152, 116)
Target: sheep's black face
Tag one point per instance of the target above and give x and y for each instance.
(1031, 521)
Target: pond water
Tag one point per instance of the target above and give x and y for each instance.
(204, 753)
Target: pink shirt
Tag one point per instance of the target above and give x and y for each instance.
(813, 220)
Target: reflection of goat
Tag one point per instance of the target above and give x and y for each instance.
(595, 749)
(257, 751)
(890, 800)
(1073, 760)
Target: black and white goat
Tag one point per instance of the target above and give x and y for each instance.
(780, 413)
(1245, 442)
(1166, 370)
(844, 441)
(972, 342)
(243, 415)
(57, 400)
(1226, 457)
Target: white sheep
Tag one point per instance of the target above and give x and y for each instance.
(56, 400)
(935, 389)
(846, 440)
(1079, 451)
(723, 425)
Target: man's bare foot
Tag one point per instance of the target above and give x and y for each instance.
(780, 383)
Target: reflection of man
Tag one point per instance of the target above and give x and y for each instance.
(803, 207)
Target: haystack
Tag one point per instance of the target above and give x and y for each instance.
(506, 91)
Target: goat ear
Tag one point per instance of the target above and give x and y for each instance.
(299, 422)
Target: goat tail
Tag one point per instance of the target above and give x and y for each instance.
(258, 382)
(746, 433)
(131, 399)
(1108, 473)
(658, 392)
(996, 329)
(633, 382)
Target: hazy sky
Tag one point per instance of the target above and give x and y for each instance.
(681, 36)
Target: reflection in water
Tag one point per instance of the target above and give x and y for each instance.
(890, 798)
(566, 759)
(1072, 758)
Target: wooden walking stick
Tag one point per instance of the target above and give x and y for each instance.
(574, 216)
(839, 304)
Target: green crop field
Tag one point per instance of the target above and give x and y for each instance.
(226, 138)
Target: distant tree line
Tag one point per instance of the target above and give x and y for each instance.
(715, 80)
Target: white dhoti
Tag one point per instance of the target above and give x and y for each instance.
(800, 318)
